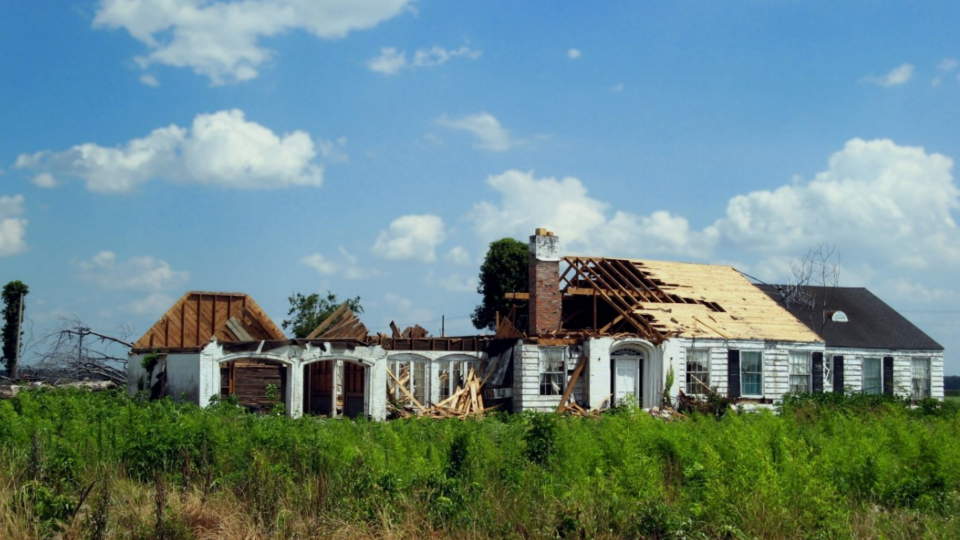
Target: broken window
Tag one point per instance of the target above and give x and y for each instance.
(751, 373)
(698, 371)
(551, 370)
(412, 376)
(920, 378)
(799, 372)
(872, 376)
(453, 375)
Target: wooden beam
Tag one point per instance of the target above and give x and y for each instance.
(517, 296)
(238, 330)
(572, 383)
(323, 326)
(395, 329)
(406, 392)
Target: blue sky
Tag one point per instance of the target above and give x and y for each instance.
(150, 147)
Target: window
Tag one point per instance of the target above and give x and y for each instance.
(799, 372)
(872, 376)
(412, 375)
(551, 370)
(920, 378)
(698, 371)
(751, 373)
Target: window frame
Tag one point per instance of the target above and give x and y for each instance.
(928, 368)
(744, 373)
(792, 364)
(864, 378)
(418, 383)
(546, 377)
(704, 384)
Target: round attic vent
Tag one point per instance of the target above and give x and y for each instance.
(839, 316)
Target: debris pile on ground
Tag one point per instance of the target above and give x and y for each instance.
(667, 414)
(8, 391)
(466, 400)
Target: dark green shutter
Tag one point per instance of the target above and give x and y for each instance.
(733, 373)
(817, 372)
(888, 375)
(838, 374)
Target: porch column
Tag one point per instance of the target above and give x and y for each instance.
(295, 389)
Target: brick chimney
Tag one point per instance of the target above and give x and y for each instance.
(545, 301)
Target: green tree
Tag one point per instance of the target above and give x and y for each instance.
(13, 294)
(504, 269)
(307, 312)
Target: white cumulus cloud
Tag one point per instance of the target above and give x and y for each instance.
(412, 237)
(485, 127)
(573, 54)
(880, 203)
(143, 273)
(221, 149)
(390, 61)
(897, 76)
(221, 40)
(527, 203)
(13, 228)
(894, 202)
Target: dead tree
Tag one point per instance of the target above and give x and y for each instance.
(819, 268)
(74, 351)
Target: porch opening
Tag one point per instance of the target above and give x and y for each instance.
(334, 388)
(258, 385)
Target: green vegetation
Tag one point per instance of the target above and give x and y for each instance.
(13, 309)
(82, 465)
(505, 269)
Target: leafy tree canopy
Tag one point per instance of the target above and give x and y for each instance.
(504, 269)
(307, 312)
(12, 294)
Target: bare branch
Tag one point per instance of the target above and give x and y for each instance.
(76, 351)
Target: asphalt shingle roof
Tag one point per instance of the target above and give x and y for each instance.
(872, 324)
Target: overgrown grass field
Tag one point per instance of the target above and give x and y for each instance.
(84, 465)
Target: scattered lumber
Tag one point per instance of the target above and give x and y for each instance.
(466, 400)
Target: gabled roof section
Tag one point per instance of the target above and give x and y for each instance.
(200, 316)
(871, 323)
(657, 300)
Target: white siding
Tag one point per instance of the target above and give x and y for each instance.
(902, 376)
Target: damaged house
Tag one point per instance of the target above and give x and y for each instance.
(594, 331)
(214, 345)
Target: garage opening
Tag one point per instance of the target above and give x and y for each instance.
(334, 388)
(259, 385)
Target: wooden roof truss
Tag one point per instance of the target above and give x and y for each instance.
(623, 285)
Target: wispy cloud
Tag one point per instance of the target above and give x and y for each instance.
(897, 76)
(485, 127)
(573, 54)
(391, 61)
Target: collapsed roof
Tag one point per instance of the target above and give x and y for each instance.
(657, 300)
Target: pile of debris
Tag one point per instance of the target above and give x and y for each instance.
(465, 401)
(667, 414)
(8, 391)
